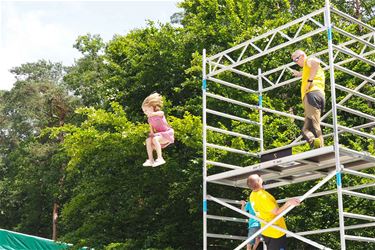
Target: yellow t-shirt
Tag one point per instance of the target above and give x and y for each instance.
(318, 80)
(264, 203)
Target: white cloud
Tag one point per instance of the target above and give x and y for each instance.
(33, 30)
(27, 37)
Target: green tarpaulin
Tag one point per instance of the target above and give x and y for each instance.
(16, 241)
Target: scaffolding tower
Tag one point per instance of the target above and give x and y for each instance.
(322, 164)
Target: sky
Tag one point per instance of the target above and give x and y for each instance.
(34, 30)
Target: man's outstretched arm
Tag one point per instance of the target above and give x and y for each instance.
(291, 202)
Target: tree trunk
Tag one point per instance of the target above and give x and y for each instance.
(62, 114)
(54, 221)
(357, 9)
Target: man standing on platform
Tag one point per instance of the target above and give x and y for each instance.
(312, 94)
(266, 208)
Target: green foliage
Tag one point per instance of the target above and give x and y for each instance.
(88, 77)
(31, 166)
(28, 187)
(146, 60)
(117, 194)
(40, 71)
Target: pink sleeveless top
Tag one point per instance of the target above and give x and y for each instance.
(160, 124)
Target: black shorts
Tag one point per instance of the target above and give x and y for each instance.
(275, 243)
(317, 100)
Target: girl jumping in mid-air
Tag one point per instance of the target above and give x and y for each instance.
(161, 134)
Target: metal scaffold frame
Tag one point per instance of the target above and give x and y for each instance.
(323, 163)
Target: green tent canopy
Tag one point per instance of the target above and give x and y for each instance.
(16, 241)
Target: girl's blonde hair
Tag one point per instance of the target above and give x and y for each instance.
(154, 100)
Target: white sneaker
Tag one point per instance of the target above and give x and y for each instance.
(148, 163)
(158, 162)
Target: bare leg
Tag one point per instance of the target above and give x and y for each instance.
(257, 241)
(157, 146)
(150, 149)
(248, 247)
(157, 140)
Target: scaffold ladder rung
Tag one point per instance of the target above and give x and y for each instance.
(359, 238)
(356, 194)
(352, 91)
(221, 164)
(226, 218)
(236, 202)
(225, 83)
(233, 150)
(333, 191)
(223, 131)
(357, 132)
(281, 84)
(345, 33)
(357, 173)
(355, 112)
(340, 13)
(240, 119)
(226, 236)
(350, 72)
(353, 54)
(229, 100)
(231, 69)
(359, 216)
(335, 229)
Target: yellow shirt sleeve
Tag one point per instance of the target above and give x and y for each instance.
(263, 203)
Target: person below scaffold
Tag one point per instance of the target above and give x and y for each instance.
(313, 97)
(267, 209)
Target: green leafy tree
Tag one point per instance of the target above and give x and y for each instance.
(88, 77)
(32, 166)
(118, 200)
